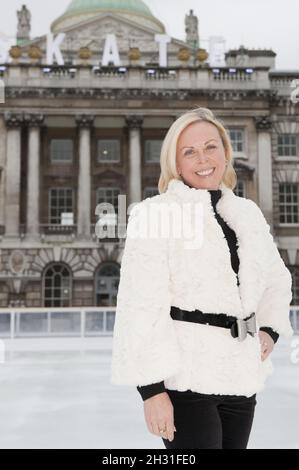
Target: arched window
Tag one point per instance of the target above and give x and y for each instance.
(106, 287)
(57, 286)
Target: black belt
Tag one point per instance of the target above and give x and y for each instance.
(239, 327)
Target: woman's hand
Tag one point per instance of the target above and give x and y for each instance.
(158, 412)
(267, 344)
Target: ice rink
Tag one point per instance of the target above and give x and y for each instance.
(56, 393)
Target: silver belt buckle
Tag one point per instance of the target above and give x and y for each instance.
(246, 326)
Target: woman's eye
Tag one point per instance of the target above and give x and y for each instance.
(211, 147)
(188, 151)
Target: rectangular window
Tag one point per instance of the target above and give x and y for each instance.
(287, 145)
(153, 150)
(237, 140)
(61, 206)
(108, 150)
(240, 189)
(109, 195)
(294, 270)
(288, 203)
(61, 150)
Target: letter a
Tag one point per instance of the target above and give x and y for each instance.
(111, 53)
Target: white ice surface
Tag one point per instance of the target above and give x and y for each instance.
(56, 393)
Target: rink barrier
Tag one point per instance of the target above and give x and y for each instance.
(70, 321)
(66, 321)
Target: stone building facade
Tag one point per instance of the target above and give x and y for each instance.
(77, 134)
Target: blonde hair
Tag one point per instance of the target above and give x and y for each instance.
(168, 162)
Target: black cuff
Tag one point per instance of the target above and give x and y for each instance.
(271, 332)
(147, 391)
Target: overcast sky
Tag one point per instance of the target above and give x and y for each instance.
(271, 24)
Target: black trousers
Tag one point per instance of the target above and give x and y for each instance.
(210, 421)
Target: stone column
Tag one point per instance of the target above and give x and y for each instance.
(2, 166)
(134, 124)
(13, 173)
(34, 121)
(265, 179)
(84, 124)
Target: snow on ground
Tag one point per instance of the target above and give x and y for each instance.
(56, 393)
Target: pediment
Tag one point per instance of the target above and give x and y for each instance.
(106, 23)
(93, 32)
(110, 174)
(98, 27)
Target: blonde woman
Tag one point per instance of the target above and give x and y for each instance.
(199, 310)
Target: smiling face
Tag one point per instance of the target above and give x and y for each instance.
(200, 156)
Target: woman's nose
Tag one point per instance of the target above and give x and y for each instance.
(200, 155)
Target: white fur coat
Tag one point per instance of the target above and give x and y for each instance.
(156, 273)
